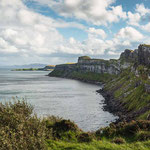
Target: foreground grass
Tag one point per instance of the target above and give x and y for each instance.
(20, 129)
(97, 145)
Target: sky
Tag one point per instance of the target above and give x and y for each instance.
(59, 31)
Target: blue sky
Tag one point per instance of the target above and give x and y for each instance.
(53, 32)
(78, 33)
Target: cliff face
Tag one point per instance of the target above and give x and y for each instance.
(140, 56)
(144, 55)
(129, 55)
(98, 66)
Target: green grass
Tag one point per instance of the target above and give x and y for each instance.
(97, 145)
(84, 76)
(130, 90)
(90, 76)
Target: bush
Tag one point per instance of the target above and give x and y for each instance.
(118, 140)
(65, 125)
(124, 129)
(143, 136)
(131, 128)
(18, 129)
(85, 137)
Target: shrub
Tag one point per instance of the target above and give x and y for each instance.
(65, 125)
(143, 136)
(131, 128)
(19, 129)
(118, 140)
(124, 129)
(64, 129)
(85, 137)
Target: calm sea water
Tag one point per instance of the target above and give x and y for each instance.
(65, 98)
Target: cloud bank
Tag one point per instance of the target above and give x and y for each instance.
(28, 36)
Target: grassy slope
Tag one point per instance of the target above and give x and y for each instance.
(130, 90)
(84, 76)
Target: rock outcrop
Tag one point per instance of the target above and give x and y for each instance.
(144, 55)
(97, 66)
(141, 56)
(129, 56)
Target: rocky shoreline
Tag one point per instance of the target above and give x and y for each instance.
(117, 108)
(113, 106)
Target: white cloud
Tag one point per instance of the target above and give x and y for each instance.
(134, 18)
(129, 33)
(113, 53)
(98, 12)
(146, 27)
(31, 36)
(140, 8)
(29, 33)
(140, 12)
(97, 32)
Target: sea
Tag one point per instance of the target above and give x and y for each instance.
(65, 98)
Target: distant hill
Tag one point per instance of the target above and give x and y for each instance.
(36, 65)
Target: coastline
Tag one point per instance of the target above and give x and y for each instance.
(110, 104)
(114, 106)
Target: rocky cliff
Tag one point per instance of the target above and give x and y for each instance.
(140, 56)
(144, 55)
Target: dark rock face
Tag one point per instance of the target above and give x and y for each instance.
(144, 55)
(141, 56)
(147, 88)
(129, 55)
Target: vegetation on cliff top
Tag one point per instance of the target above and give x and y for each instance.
(85, 57)
(20, 129)
(146, 45)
